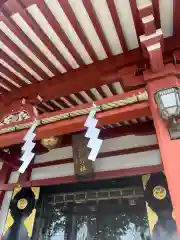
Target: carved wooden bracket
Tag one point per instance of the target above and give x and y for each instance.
(152, 42)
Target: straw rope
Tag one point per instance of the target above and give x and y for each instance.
(104, 107)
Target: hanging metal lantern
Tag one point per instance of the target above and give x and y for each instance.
(51, 142)
(168, 101)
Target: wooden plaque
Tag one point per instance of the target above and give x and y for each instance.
(82, 166)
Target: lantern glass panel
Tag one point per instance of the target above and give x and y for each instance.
(172, 111)
(168, 101)
(165, 114)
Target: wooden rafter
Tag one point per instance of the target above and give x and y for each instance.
(17, 68)
(74, 82)
(176, 22)
(21, 55)
(117, 24)
(19, 16)
(57, 28)
(26, 41)
(93, 76)
(3, 80)
(136, 18)
(69, 13)
(91, 12)
(3, 88)
(14, 7)
(155, 4)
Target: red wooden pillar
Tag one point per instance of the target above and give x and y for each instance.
(170, 149)
(158, 77)
(9, 160)
(4, 176)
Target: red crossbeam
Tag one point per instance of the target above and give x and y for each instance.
(127, 112)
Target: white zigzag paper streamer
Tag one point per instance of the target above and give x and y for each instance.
(92, 133)
(28, 145)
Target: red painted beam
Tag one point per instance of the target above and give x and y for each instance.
(98, 103)
(73, 81)
(139, 129)
(77, 124)
(127, 112)
(100, 155)
(98, 176)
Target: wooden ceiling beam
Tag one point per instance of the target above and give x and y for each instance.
(84, 78)
(92, 76)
